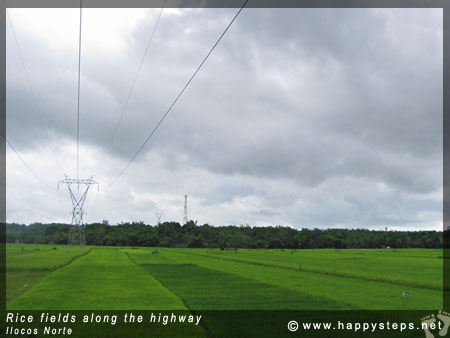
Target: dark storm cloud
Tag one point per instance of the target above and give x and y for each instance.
(304, 95)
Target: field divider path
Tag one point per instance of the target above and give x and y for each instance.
(204, 327)
(334, 274)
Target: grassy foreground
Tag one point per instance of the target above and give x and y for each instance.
(26, 265)
(145, 278)
(105, 279)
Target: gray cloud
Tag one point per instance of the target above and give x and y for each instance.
(298, 117)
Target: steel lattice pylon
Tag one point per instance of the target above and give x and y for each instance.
(185, 215)
(76, 233)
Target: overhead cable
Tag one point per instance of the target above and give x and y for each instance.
(25, 163)
(177, 98)
(133, 84)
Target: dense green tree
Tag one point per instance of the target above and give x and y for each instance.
(172, 234)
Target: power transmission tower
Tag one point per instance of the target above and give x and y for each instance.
(185, 216)
(76, 233)
(158, 215)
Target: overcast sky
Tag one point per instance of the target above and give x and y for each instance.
(300, 117)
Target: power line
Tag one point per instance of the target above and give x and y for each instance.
(177, 98)
(25, 163)
(133, 84)
(38, 111)
(78, 108)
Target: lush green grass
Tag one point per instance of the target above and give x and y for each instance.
(46, 259)
(104, 279)
(355, 293)
(389, 265)
(205, 289)
(27, 264)
(13, 249)
(18, 282)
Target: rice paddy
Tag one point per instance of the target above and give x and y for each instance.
(50, 277)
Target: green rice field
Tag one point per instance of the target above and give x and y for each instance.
(43, 277)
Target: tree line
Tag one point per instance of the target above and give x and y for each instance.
(172, 234)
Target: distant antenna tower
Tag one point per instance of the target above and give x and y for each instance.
(158, 215)
(185, 216)
(76, 233)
